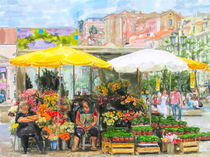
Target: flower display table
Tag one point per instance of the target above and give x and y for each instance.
(122, 148)
(147, 148)
(188, 147)
(106, 146)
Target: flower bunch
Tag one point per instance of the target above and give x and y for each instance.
(102, 90)
(65, 136)
(129, 99)
(13, 127)
(128, 116)
(110, 118)
(33, 97)
(114, 86)
(170, 138)
(12, 111)
(67, 127)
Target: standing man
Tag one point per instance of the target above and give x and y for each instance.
(176, 102)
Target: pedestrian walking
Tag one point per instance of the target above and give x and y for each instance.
(176, 103)
(162, 103)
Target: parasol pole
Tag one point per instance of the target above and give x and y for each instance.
(169, 108)
(59, 104)
(38, 78)
(73, 80)
(149, 105)
(24, 78)
(139, 75)
(119, 76)
(91, 80)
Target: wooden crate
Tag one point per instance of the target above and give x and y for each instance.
(140, 150)
(122, 148)
(164, 147)
(189, 147)
(106, 146)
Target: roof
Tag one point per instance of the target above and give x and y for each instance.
(200, 22)
(187, 27)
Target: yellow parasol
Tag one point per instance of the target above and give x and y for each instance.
(58, 56)
(192, 64)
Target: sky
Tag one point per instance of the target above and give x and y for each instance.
(66, 13)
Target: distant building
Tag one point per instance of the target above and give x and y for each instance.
(8, 38)
(93, 38)
(136, 29)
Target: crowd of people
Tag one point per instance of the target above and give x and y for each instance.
(161, 102)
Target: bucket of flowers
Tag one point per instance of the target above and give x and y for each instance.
(170, 140)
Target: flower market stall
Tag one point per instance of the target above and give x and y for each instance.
(48, 104)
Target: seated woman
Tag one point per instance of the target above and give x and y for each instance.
(86, 120)
(27, 127)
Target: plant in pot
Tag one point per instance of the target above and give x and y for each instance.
(184, 123)
(155, 139)
(181, 138)
(180, 131)
(115, 136)
(197, 129)
(149, 130)
(141, 120)
(155, 120)
(203, 136)
(131, 137)
(149, 139)
(187, 130)
(122, 134)
(139, 130)
(146, 121)
(134, 122)
(144, 130)
(134, 130)
(141, 139)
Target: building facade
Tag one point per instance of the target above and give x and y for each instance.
(7, 72)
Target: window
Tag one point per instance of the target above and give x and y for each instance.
(170, 22)
(133, 26)
(194, 29)
(124, 26)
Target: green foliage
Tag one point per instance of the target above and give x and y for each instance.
(28, 82)
(93, 30)
(49, 81)
(152, 138)
(65, 40)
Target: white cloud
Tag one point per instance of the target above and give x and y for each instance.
(162, 5)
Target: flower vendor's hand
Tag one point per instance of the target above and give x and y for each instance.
(84, 127)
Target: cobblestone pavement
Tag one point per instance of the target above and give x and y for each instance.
(201, 121)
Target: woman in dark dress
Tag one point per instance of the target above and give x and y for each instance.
(27, 127)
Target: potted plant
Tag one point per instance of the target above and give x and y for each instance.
(131, 137)
(155, 139)
(184, 123)
(134, 130)
(203, 136)
(149, 139)
(180, 131)
(197, 129)
(122, 137)
(139, 130)
(141, 139)
(149, 129)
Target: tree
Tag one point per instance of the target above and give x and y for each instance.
(80, 25)
(28, 82)
(49, 80)
(93, 30)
